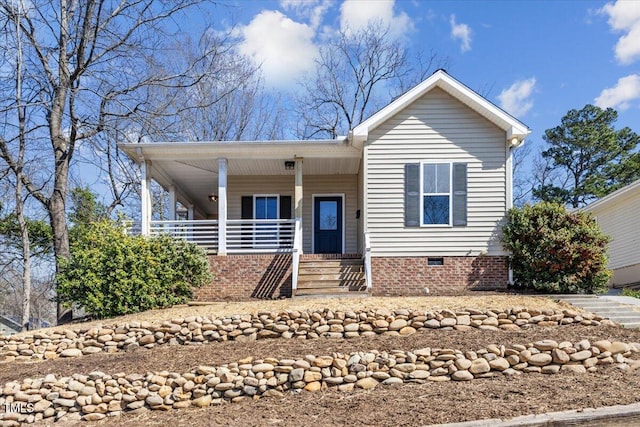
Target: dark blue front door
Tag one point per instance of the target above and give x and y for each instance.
(327, 225)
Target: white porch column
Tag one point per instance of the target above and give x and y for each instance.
(298, 195)
(172, 202)
(190, 217)
(222, 206)
(145, 198)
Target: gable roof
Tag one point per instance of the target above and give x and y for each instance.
(629, 190)
(441, 79)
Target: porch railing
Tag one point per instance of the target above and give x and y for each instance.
(243, 235)
(203, 232)
(259, 235)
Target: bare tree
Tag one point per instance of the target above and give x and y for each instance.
(92, 64)
(230, 98)
(522, 182)
(17, 110)
(356, 73)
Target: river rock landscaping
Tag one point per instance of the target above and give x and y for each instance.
(331, 353)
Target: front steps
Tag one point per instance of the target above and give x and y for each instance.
(620, 309)
(340, 277)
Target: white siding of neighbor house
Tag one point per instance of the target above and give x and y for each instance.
(618, 218)
(437, 128)
(238, 186)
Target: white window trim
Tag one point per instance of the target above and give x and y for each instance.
(255, 226)
(313, 221)
(422, 193)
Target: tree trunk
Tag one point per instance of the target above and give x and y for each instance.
(26, 259)
(58, 220)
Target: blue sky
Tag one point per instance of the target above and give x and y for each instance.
(536, 59)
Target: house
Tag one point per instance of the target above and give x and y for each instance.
(617, 216)
(409, 203)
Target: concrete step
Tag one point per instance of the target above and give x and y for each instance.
(635, 325)
(624, 318)
(604, 309)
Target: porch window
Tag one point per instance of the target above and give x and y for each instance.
(265, 234)
(435, 194)
(266, 207)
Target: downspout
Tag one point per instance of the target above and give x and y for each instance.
(513, 143)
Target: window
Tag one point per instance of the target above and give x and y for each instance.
(266, 207)
(266, 234)
(435, 194)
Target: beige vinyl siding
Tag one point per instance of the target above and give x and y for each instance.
(238, 186)
(618, 218)
(436, 128)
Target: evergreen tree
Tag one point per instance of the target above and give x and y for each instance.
(594, 158)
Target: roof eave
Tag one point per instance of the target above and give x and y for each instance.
(512, 126)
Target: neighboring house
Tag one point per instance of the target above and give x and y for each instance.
(9, 326)
(409, 203)
(617, 215)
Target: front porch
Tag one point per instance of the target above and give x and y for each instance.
(266, 206)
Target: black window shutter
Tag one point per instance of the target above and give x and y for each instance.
(246, 213)
(285, 207)
(247, 207)
(459, 194)
(412, 195)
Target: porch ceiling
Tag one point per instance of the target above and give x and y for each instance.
(192, 167)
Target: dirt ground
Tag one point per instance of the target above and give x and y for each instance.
(407, 404)
(486, 300)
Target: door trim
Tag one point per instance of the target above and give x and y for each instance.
(313, 219)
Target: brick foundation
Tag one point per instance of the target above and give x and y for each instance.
(268, 276)
(241, 277)
(406, 276)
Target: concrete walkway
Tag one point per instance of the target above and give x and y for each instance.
(615, 307)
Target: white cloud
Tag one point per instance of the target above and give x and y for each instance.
(627, 89)
(516, 98)
(284, 48)
(310, 10)
(461, 32)
(624, 16)
(357, 14)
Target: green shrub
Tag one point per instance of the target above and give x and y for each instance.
(111, 273)
(556, 251)
(627, 292)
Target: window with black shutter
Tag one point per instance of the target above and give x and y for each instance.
(435, 194)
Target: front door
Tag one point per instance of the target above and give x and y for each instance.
(327, 225)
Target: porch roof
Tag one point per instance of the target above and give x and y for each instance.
(192, 167)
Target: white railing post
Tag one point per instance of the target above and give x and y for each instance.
(222, 206)
(367, 260)
(297, 250)
(145, 197)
